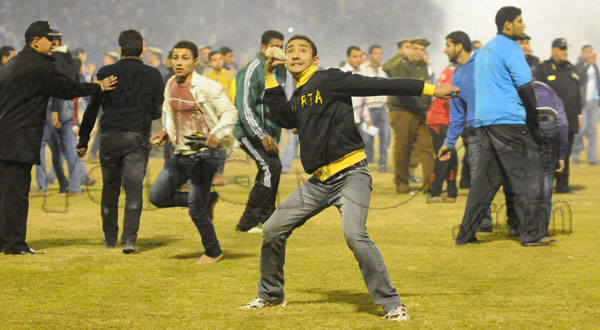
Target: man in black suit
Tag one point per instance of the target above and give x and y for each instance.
(26, 83)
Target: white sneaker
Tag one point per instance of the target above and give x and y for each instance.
(397, 314)
(255, 230)
(258, 303)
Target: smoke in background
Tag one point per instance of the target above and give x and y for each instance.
(333, 24)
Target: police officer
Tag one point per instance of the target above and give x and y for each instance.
(561, 75)
(26, 83)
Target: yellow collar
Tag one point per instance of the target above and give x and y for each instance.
(306, 75)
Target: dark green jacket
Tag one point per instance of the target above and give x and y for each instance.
(415, 104)
(254, 116)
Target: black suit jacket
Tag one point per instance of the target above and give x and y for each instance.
(26, 83)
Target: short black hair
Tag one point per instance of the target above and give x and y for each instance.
(307, 39)
(186, 44)
(373, 47)
(5, 51)
(213, 53)
(270, 34)
(351, 48)
(131, 43)
(225, 50)
(459, 37)
(582, 48)
(505, 14)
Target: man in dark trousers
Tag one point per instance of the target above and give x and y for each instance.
(258, 135)
(26, 84)
(560, 74)
(505, 126)
(128, 114)
(332, 151)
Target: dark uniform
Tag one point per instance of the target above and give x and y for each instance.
(533, 61)
(563, 78)
(26, 83)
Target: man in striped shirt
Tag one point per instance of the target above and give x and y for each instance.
(258, 135)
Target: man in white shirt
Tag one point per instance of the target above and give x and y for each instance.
(376, 106)
(590, 88)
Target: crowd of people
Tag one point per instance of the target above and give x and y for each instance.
(521, 121)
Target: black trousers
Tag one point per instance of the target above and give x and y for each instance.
(15, 181)
(261, 202)
(123, 159)
(465, 172)
(506, 155)
(443, 170)
(562, 179)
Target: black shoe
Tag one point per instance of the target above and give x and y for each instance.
(89, 182)
(110, 245)
(213, 198)
(567, 191)
(593, 162)
(129, 248)
(486, 229)
(474, 241)
(513, 232)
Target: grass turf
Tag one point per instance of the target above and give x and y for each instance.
(499, 284)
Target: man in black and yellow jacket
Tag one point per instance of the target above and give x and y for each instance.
(332, 151)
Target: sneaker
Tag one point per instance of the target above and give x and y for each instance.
(255, 230)
(435, 199)
(258, 303)
(31, 252)
(129, 248)
(397, 314)
(544, 241)
(413, 178)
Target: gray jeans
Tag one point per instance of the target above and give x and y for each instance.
(350, 192)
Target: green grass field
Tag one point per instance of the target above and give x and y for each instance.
(79, 284)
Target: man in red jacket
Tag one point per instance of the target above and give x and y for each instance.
(438, 119)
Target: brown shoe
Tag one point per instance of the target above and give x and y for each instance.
(219, 180)
(204, 259)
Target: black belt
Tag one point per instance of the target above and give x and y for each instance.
(362, 163)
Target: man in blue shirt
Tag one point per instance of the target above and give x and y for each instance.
(459, 49)
(505, 125)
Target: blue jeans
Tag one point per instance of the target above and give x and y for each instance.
(350, 193)
(380, 120)
(62, 143)
(290, 151)
(165, 192)
(589, 130)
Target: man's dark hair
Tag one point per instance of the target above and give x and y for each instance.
(351, 48)
(225, 50)
(307, 39)
(459, 37)
(505, 14)
(582, 48)
(186, 44)
(5, 51)
(213, 53)
(131, 43)
(270, 34)
(373, 47)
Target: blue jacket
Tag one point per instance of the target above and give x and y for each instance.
(462, 106)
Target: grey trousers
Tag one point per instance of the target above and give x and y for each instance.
(350, 192)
